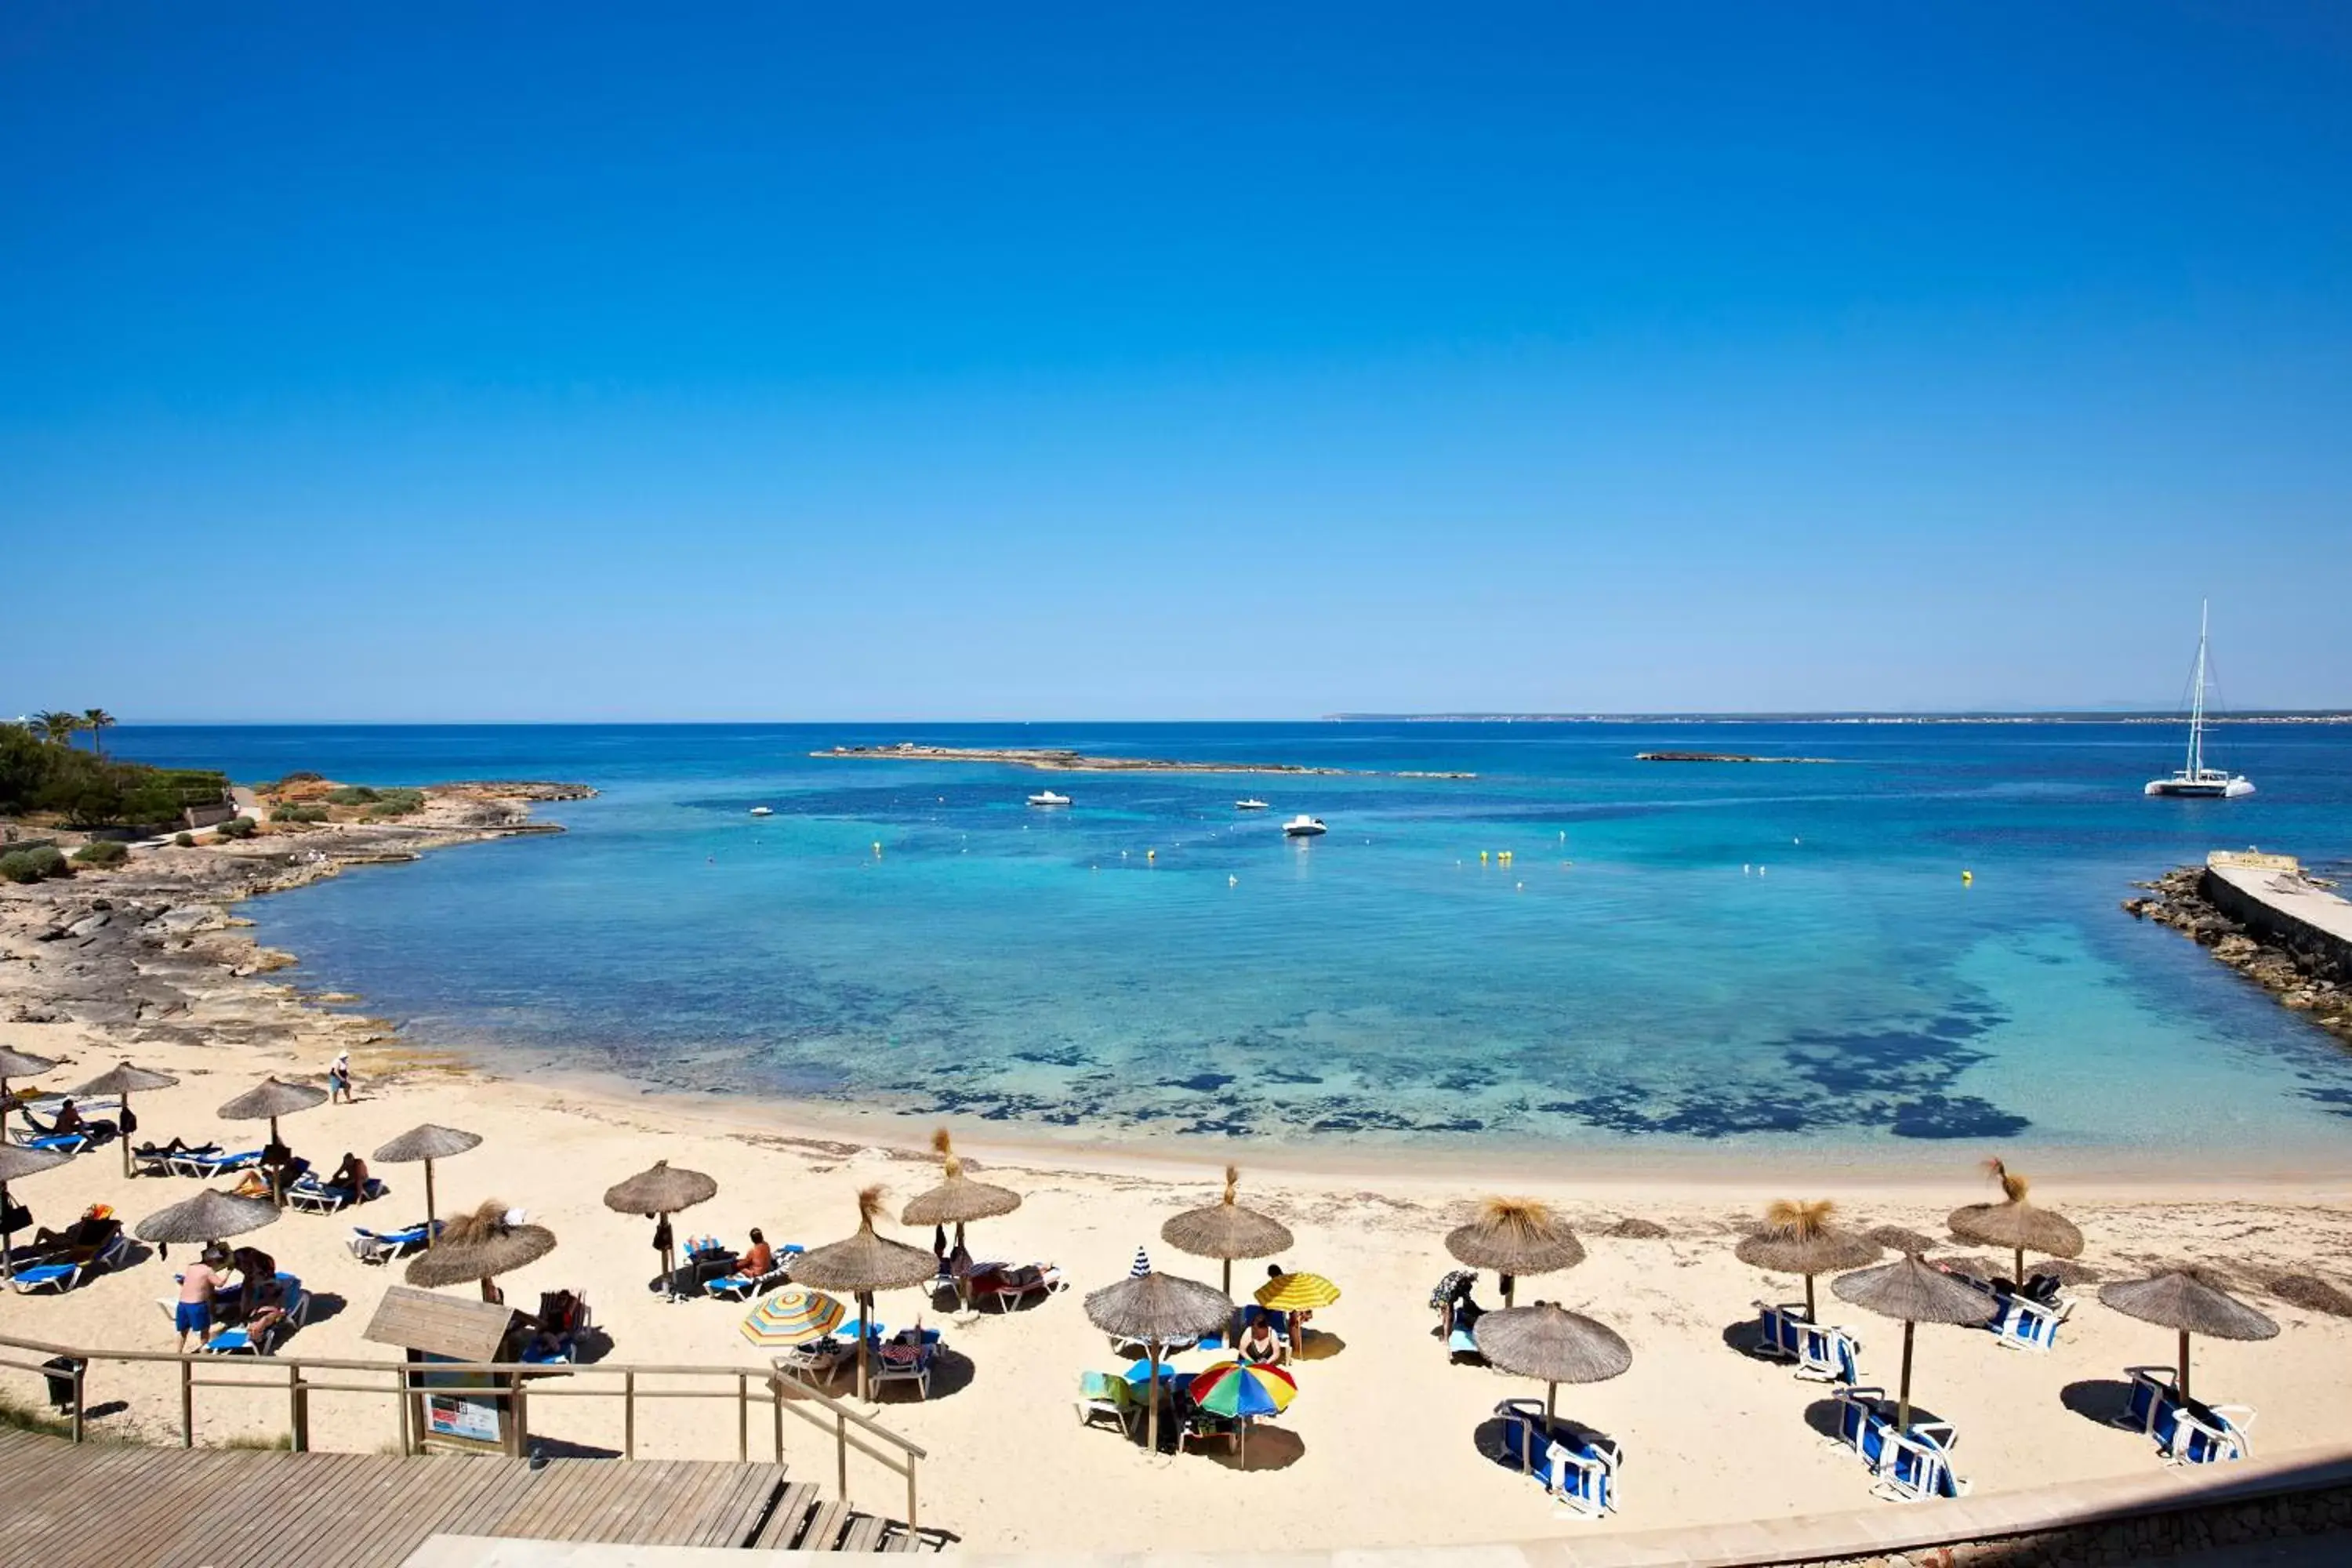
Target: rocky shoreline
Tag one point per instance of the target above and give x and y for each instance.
(1720, 757)
(2298, 980)
(151, 951)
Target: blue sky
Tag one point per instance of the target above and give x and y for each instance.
(580, 362)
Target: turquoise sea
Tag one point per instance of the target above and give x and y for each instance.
(1712, 956)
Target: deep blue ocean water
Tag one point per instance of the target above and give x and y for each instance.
(1717, 955)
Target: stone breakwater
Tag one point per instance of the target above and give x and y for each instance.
(2302, 977)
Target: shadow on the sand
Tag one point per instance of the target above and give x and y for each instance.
(1746, 1337)
(1821, 1415)
(2100, 1399)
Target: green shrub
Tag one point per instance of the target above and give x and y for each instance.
(184, 840)
(237, 827)
(32, 865)
(298, 813)
(398, 802)
(101, 852)
(352, 794)
(17, 867)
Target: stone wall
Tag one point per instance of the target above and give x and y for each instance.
(2142, 1538)
(2315, 951)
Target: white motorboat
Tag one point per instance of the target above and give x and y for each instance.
(1304, 826)
(763, 811)
(1047, 797)
(2195, 780)
(1253, 804)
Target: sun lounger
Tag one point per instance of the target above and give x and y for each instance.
(1462, 1342)
(385, 1246)
(206, 1166)
(1827, 1354)
(743, 1287)
(1577, 1466)
(1777, 1329)
(313, 1197)
(1919, 1466)
(154, 1160)
(1861, 1427)
(819, 1361)
(59, 1277)
(2203, 1434)
(243, 1341)
(897, 1363)
(57, 1143)
(1011, 1287)
(1106, 1394)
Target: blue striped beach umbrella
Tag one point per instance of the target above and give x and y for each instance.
(1142, 1264)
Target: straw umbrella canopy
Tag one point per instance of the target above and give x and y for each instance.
(1550, 1342)
(957, 1199)
(16, 1162)
(1226, 1230)
(1515, 1237)
(1910, 1290)
(660, 1192)
(2014, 1222)
(119, 1082)
(205, 1218)
(480, 1245)
(863, 1264)
(1798, 1239)
(271, 1098)
(2182, 1302)
(427, 1143)
(1151, 1309)
(20, 1064)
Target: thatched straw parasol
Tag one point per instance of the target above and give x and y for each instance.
(863, 1264)
(1798, 1239)
(119, 1082)
(2016, 1224)
(205, 1218)
(427, 1143)
(1151, 1309)
(1909, 1290)
(1513, 1236)
(15, 1164)
(272, 1099)
(2185, 1302)
(957, 1201)
(20, 1064)
(657, 1193)
(1550, 1342)
(1226, 1230)
(480, 1245)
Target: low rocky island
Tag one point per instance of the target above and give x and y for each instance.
(1718, 757)
(2302, 977)
(1062, 760)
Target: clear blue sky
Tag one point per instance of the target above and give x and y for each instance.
(584, 360)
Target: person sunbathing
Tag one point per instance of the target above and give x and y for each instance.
(759, 1258)
(69, 1121)
(350, 1176)
(176, 1146)
(95, 1228)
(1258, 1341)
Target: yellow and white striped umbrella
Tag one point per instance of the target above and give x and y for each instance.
(1297, 1293)
(792, 1316)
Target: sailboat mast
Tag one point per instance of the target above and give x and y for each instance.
(2197, 699)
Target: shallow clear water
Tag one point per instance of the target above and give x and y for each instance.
(1711, 954)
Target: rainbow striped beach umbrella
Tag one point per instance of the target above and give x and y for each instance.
(792, 1316)
(1244, 1391)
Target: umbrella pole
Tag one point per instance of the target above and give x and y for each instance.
(1151, 1395)
(125, 1135)
(865, 1343)
(1811, 1316)
(1902, 1409)
(2018, 1275)
(8, 1240)
(428, 1205)
(1551, 1393)
(2184, 1366)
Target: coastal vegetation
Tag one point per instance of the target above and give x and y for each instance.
(44, 773)
(36, 864)
(101, 853)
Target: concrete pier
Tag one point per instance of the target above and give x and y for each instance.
(2270, 895)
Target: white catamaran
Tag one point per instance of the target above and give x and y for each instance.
(2196, 779)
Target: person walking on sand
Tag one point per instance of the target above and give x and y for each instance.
(194, 1313)
(339, 1079)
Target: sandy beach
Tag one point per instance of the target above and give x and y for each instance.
(1383, 1445)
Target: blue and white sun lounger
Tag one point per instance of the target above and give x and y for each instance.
(1920, 1466)
(60, 1142)
(313, 1197)
(2024, 1323)
(2204, 1434)
(1778, 1327)
(384, 1245)
(153, 1162)
(1577, 1466)
(743, 1287)
(44, 1277)
(189, 1163)
(1861, 1427)
(241, 1341)
(1827, 1354)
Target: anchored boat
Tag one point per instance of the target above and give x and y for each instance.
(1047, 797)
(1304, 826)
(2196, 780)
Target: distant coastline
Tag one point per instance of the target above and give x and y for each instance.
(1060, 760)
(2282, 716)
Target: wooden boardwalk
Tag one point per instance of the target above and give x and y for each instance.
(104, 1505)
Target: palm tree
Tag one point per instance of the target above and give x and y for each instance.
(97, 722)
(57, 726)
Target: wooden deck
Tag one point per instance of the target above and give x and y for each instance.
(103, 1506)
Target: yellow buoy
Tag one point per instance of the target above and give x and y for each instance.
(1968, 878)
(1151, 855)
(1481, 857)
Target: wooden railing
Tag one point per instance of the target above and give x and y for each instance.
(522, 1386)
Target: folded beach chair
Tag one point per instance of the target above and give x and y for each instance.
(154, 1160)
(1106, 1394)
(1583, 1475)
(206, 1166)
(1919, 1466)
(2203, 1434)
(384, 1245)
(2152, 1389)
(743, 1287)
(1827, 1355)
(243, 1341)
(1862, 1425)
(1776, 1328)
(896, 1363)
